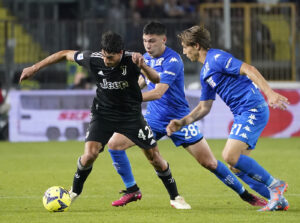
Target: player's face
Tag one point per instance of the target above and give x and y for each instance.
(111, 59)
(191, 52)
(154, 44)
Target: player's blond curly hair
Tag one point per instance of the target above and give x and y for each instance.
(194, 35)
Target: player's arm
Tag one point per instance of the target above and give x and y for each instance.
(274, 99)
(142, 82)
(156, 93)
(54, 58)
(149, 72)
(199, 112)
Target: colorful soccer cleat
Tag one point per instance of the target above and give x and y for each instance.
(179, 203)
(277, 201)
(127, 198)
(283, 206)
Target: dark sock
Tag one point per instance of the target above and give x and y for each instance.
(169, 182)
(80, 177)
(246, 196)
(132, 189)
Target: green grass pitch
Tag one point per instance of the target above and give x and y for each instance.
(28, 169)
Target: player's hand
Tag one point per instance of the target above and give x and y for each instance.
(278, 101)
(173, 126)
(138, 59)
(27, 73)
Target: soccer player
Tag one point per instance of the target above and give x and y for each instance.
(116, 107)
(166, 102)
(237, 83)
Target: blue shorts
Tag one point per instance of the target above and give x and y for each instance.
(248, 126)
(187, 135)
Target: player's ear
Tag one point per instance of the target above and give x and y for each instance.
(198, 47)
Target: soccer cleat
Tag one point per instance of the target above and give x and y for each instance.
(283, 206)
(277, 200)
(180, 203)
(73, 195)
(127, 198)
(255, 201)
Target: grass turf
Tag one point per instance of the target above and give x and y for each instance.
(28, 169)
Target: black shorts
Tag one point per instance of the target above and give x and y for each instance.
(138, 131)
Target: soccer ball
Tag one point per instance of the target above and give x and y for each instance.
(56, 199)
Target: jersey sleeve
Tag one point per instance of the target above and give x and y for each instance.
(207, 93)
(226, 63)
(170, 69)
(83, 58)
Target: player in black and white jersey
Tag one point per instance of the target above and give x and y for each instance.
(116, 107)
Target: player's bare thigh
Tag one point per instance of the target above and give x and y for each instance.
(203, 154)
(119, 142)
(233, 149)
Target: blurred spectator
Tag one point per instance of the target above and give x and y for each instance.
(134, 30)
(116, 17)
(173, 10)
(4, 108)
(153, 9)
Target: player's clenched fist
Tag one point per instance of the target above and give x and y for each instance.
(173, 126)
(138, 59)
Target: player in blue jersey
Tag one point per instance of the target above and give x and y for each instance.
(166, 102)
(236, 83)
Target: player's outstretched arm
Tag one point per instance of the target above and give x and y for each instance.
(275, 100)
(202, 109)
(54, 58)
(149, 72)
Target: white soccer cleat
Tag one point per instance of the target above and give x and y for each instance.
(73, 195)
(179, 203)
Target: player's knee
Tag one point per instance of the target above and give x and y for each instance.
(114, 145)
(210, 164)
(228, 158)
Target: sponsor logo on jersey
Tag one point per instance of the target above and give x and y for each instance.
(228, 63)
(173, 59)
(217, 56)
(114, 85)
(101, 73)
(169, 72)
(211, 82)
(80, 56)
(159, 61)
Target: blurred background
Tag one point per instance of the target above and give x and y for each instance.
(264, 33)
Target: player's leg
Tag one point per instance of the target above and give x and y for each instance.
(85, 165)
(96, 138)
(233, 155)
(117, 145)
(253, 184)
(144, 138)
(243, 136)
(163, 171)
(203, 154)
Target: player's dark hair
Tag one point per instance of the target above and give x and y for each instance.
(155, 28)
(194, 35)
(112, 42)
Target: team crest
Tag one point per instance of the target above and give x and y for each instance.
(124, 70)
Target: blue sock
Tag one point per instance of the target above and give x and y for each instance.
(255, 185)
(249, 166)
(228, 178)
(122, 165)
